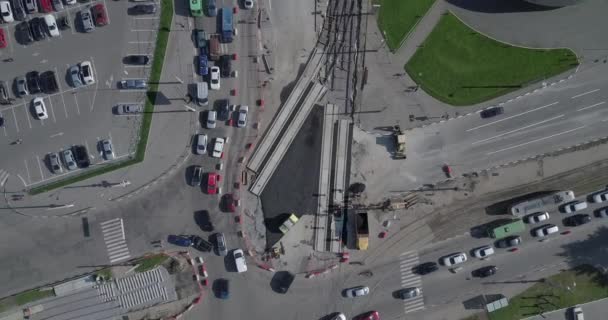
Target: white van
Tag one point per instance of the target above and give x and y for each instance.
(202, 93)
(239, 260)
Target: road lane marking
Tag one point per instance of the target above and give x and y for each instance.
(27, 169)
(511, 117)
(39, 166)
(65, 109)
(52, 111)
(584, 93)
(27, 115)
(539, 139)
(592, 106)
(519, 129)
(15, 117)
(59, 134)
(23, 181)
(76, 101)
(96, 83)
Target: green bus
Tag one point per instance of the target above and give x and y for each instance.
(506, 228)
(196, 8)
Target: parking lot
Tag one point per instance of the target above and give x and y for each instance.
(76, 116)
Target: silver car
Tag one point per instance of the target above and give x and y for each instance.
(68, 159)
(129, 108)
(75, 76)
(107, 149)
(31, 6)
(133, 84)
(54, 162)
(201, 143)
(58, 5)
(22, 89)
(87, 20)
(357, 292)
(221, 244)
(242, 121)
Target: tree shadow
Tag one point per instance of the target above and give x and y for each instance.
(588, 257)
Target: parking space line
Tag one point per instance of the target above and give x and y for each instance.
(76, 101)
(96, 83)
(39, 166)
(67, 11)
(87, 145)
(15, 117)
(52, 111)
(21, 178)
(27, 116)
(61, 94)
(29, 177)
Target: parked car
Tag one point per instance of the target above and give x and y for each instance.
(30, 6)
(19, 12)
(54, 163)
(203, 65)
(408, 293)
(68, 159)
(222, 249)
(214, 82)
(483, 252)
(201, 143)
(23, 33)
(248, 4)
(491, 112)
(137, 59)
(212, 182)
(40, 109)
(200, 38)
(577, 313)
(223, 112)
(239, 260)
(222, 288)
(339, 316)
(545, 230)
(218, 148)
(211, 8)
(6, 12)
(536, 217)
(508, 242)
(201, 244)
(5, 97)
(227, 203)
(3, 42)
(21, 84)
(284, 279)
(575, 206)
(46, 6)
(577, 220)
(242, 121)
(602, 212)
(371, 315)
(134, 84)
(75, 76)
(51, 25)
(225, 66)
(454, 258)
(48, 80)
(87, 20)
(142, 9)
(356, 292)
(33, 82)
(197, 176)
(484, 271)
(57, 4)
(107, 149)
(70, 2)
(425, 268)
(600, 197)
(182, 241)
(99, 15)
(37, 26)
(81, 155)
(86, 72)
(129, 108)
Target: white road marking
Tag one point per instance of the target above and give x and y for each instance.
(96, 84)
(15, 117)
(584, 93)
(511, 117)
(76, 101)
(39, 166)
(27, 115)
(539, 139)
(518, 129)
(29, 177)
(592, 106)
(65, 108)
(59, 134)
(52, 111)
(126, 73)
(23, 181)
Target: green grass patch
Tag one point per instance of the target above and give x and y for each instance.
(461, 67)
(105, 273)
(585, 284)
(32, 295)
(144, 131)
(150, 262)
(398, 17)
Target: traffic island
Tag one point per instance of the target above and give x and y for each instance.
(460, 66)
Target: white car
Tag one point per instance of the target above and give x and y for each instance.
(357, 292)
(6, 12)
(454, 258)
(201, 143)
(575, 206)
(239, 260)
(51, 25)
(600, 197)
(339, 316)
(536, 217)
(218, 148)
(483, 252)
(68, 159)
(248, 4)
(577, 313)
(86, 71)
(214, 82)
(545, 230)
(40, 109)
(242, 121)
(70, 2)
(211, 119)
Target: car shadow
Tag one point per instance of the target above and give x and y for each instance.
(203, 220)
(229, 262)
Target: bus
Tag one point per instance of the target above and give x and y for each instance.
(227, 28)
(539, 204)
(196, 8)
(504, 229)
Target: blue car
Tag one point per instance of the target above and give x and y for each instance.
(182, 241)
(203, 68)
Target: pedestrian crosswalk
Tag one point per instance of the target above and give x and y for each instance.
(407, 261)
(114, 237)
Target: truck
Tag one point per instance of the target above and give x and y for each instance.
(399, 139)
(214, 47)
(506, 228)
(539, 204)
(290, 222)
(227, 28)
(362, 230)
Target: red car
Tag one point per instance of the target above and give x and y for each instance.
(46, 6)
(99, 14)
(372, 315)
(228, 203)
(2, 39)
(212, 181)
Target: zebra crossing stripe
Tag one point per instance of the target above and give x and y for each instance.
(114, 238)
(3, 177)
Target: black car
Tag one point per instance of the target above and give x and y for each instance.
(285, 280)
(23, 33)
(37, 27)
(223, 110)
(1, 122)
(33, 82)
(491, 112)
(5, 97)
(82, 156)
(225, 66)
(142, 9)
(18, 10)
(201, 244)
(577, 220)
(137, 59)
(485, 271)
(48, 81)
(222, 288)
(425, 268)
